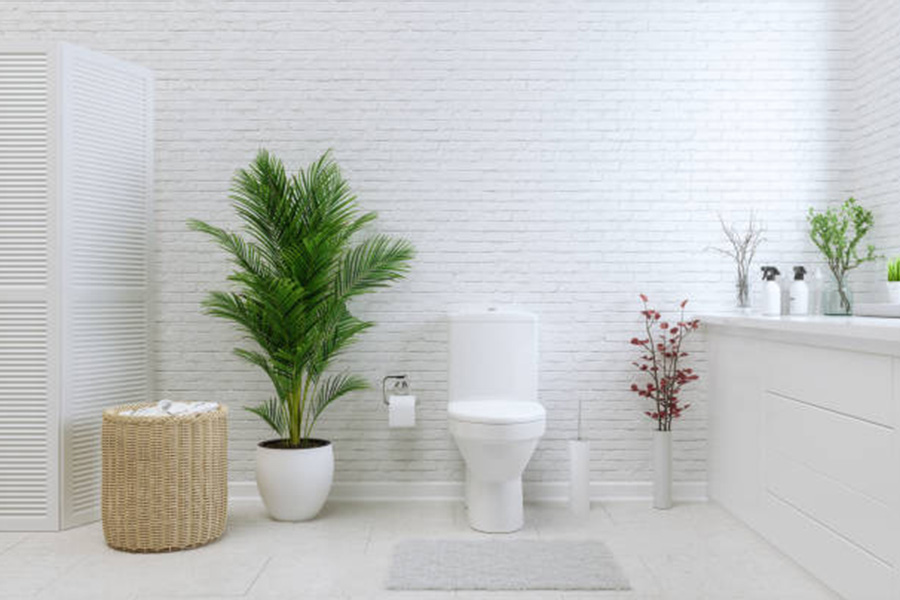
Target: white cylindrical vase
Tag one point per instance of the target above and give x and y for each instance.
(662, 469)
(579, 477)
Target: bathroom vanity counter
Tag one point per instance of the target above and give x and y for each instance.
(804, 445)
(852, 331)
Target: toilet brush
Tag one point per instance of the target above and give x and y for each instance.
(579, 472)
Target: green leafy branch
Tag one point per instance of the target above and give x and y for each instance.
(837, 233)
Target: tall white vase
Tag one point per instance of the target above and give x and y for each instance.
(662, 469)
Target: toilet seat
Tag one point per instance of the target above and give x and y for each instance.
(498, 434)
(496, 420)
(496, 412)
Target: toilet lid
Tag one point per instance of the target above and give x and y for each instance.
(497, 412)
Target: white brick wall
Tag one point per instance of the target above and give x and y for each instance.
(563, 156)
(875, 142)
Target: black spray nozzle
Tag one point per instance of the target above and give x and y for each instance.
(769, 273)
(799, 272)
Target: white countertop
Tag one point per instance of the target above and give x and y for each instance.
(854, 328)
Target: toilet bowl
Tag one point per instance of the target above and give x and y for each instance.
(496, 440)
(493, 412)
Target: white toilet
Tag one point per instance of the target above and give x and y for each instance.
(494, 413)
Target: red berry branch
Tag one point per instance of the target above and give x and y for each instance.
(661, 346)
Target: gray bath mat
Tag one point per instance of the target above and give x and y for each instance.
(504, 565)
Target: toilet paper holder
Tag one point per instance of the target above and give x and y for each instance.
(400, 387)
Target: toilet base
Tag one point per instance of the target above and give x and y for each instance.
(494, 506)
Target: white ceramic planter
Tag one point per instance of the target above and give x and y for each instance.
(294, 483)
(893, 288)
(662, 469)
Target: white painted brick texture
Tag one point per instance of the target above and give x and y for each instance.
(875, 143)
(561, 156)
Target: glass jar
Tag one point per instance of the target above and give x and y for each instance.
(742, 292)
(837, 299)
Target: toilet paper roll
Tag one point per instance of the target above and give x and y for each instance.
(579, 477)
(401, 411)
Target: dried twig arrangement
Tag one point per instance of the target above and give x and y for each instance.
(743, 249)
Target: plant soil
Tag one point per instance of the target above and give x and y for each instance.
(305, 444)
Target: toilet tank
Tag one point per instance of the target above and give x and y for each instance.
(493, 356)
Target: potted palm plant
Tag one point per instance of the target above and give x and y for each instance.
(300, 259)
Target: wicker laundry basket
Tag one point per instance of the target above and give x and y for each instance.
(164, 479)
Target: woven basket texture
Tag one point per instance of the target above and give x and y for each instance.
(165, 479)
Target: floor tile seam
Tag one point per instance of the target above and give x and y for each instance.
(256, 577)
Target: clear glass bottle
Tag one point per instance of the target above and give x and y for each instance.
(816, 291)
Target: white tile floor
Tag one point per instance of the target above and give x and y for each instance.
(692, 552)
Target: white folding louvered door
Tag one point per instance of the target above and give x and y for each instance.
(82, 247)
(29, 326)
(107, 217)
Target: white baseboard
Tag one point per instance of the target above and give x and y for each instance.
(377, 491)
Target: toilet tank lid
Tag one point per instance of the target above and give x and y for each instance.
(496, 411)
(493, 315)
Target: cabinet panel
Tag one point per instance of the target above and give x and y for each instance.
(866, 522)
(735, 414)
(854, 453)
(853, 383)
(846, 568)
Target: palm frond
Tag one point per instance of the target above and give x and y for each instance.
(333, 388)
(273, 413)
(245, 255)
(372, 264)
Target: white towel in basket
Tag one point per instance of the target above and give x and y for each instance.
(166, 408)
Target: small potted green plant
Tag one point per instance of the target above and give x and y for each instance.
(837, 233)
(893, 280)
(299, 260)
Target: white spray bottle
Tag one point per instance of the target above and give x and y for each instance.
(771, 292)
(799, 293)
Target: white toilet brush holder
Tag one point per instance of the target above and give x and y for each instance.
(579, 477)
(579, 473)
